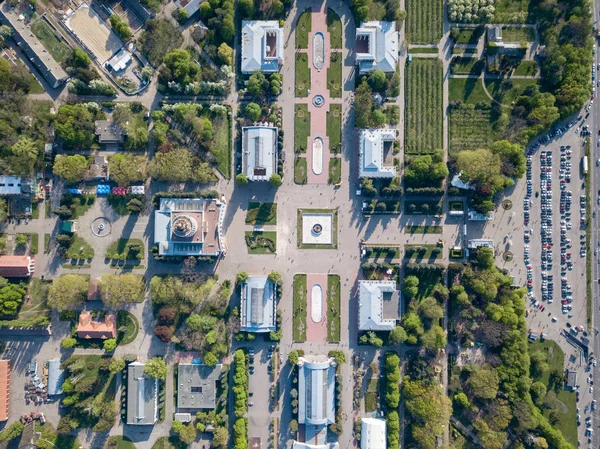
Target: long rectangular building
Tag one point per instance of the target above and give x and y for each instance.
(51, 70)
(4, 389)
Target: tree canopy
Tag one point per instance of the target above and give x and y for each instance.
(121, 288)
(67, 291)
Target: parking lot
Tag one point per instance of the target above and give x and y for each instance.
(259, 384)
(554, 230)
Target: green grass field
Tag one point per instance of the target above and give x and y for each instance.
(419, 253)
(303, 27)
(518, 34)
(526, 68)
(468, 66)
(299, 304)
(335, 170)
(467, 90)
(221, 144)
(261, 242)
(423, 50)
(302, 75)
(423, 207)
(507, 91)
(121, 249)
(79, 249)
(261, 213)
(301, 128)
(58, 49)
(469, 36)
(424, 21)
(333, 308)
(418, 229)
(334, 74)
(300, 170)
(513, 11)
(469, 129)
(334, 27)
(424, 111)
(334, 127)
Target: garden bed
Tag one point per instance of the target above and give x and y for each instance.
(302, 75)
(259, 242)
(334, 74)
(300, 170)
(423, 207)
(261, 214)
(334, 127)
(126, 249)
(420, 252)
(299, 305)
(418, 229)
(424, 21)
(301, 128)
(333, 308)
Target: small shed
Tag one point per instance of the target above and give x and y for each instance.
(68, 226)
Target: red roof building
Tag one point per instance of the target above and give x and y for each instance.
(16, 266)
(4, 389)
(89, 329)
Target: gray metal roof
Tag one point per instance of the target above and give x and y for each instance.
(370, 305)
(142, 396)
(109, 131)
(259, 152)
(262, 45)
(316, 392)
(382, 44)
(258, 305)
(196, 387)
(373, 433)
(55, 377)
(371, 155)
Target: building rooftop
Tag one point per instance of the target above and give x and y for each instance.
(38, 56)
(257, 312)
(316, 385)
(89, 329)
(373, 434)
(14, 185)
(189, 227)
(109, 131)
(377, 46)
(4, 389)
(16, 266)
(371, 295)
(299, 445)
(262, 46)
(190, 6)
(55, 377)
(259, 152)
(142, 396)
(478, 243)
(371, 153)
(120, 60)
(197, 387)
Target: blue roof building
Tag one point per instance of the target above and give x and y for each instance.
(55, 377)
(257, 312)
(262, 46)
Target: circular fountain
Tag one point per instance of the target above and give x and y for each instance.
(318, 100)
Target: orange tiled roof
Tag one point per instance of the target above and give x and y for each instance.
(4, 389)
(87, 328)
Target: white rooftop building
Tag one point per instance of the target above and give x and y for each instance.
(190, 6)
(460, 184)
(262, 46)
(371, 155)
(119, 61)
(373, 434)
(478, 243)
(257, 311)
(316, 392)
(377, 46)
(371, 295)
(259, 152)
(142, 396)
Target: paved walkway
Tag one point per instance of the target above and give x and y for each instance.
(316, 331)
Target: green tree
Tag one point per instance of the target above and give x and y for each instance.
(485, 257)
(187, 435)
(274, 277)
(116, 366)
(275, 180)
(80, 58)
(68, 343)
(241, 179)
(411, 286)
(225, 54)
(210, 359)
(156, 368)
(121, 28)
(397, 336)
(21, 240)
(25, 153)
(293, 357)
(241, 277)
(71, 168)
(220, 436)
(121, 288)
(246, 8)
(484, 383)
(462, 400)
(363, 105)
(110, 344)
(13, 431)
(67, 291)
(257, 85)
(182, 15)
(253, 111)
(128, 168)
(377, 79)
(179, 67)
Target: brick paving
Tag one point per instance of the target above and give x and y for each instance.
(316, 332)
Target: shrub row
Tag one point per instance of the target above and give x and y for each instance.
(424, 191)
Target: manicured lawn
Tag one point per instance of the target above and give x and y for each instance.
(35, 210)
(333, 308)
(122, 250)
(417, 229)
(131, 324)
(261, 242)
(423, 50)
(301, 128)
(34, 243)
(79, 204)
(377, 10)
(470, 129)
(381, 254)
(518, 34)
(513, 11)
(261, 214)
(421, 252)
(335, 170)
(470, 35)
(427, 281)
(370, 402)
(80, 249)
(334, 226)
(300, 170)
(467, 90)
(507, 91)
(334, 127)
(121, 442)
(58, 49)
(302, 75)
(36, 304)
(468, 66)
(221, 144)
(334, 27)
(47, 242)
(169, 443)
(423, 207)
(457, 206)
(424, 112)
(299, 330)
(119, 203)
(303, 27)
(334, 74)
(424, 21)
(526, 68)
(568, 422)
(34, 85)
